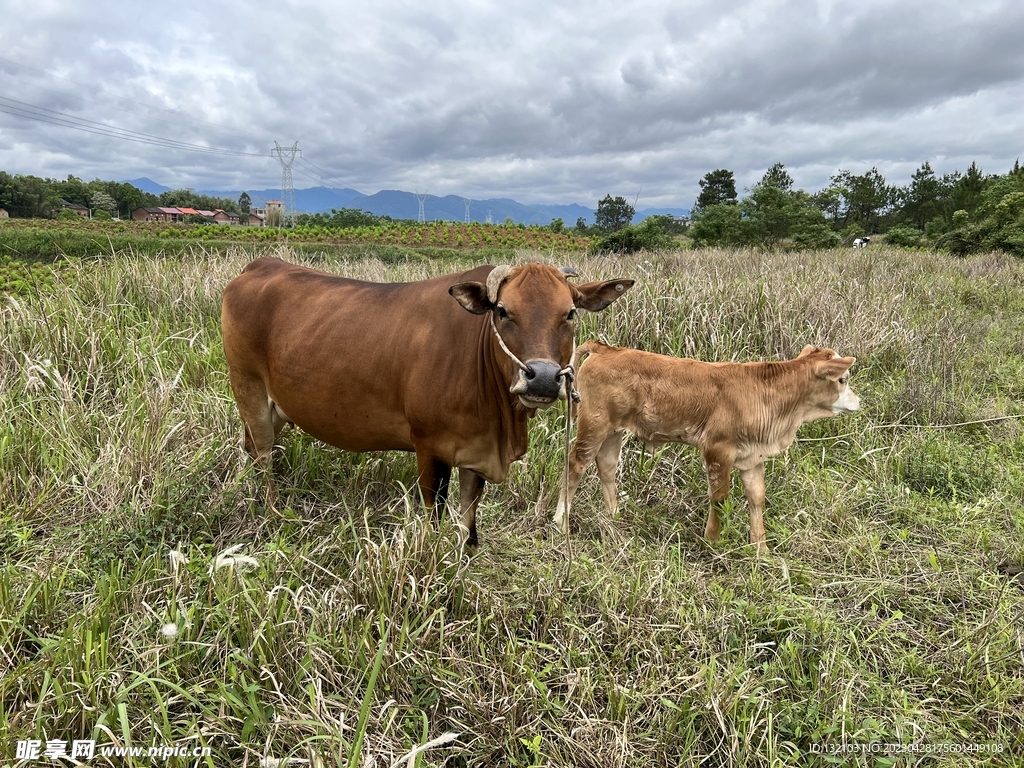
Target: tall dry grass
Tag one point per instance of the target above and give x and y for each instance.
(345, 630)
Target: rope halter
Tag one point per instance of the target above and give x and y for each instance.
(568, 372)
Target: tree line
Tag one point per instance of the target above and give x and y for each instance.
(30, 197)
(958, 212)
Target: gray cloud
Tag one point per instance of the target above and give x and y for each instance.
(544, 102)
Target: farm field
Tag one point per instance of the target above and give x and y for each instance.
(49, 239)
(146, 597)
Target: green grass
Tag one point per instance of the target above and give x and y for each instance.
(889, 609)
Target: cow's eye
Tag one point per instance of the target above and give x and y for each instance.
(502, 312)
(572, 314)
(843, 379)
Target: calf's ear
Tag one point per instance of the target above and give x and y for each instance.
(833, 369)
(472, 296)
(597, 295)
(806, 350)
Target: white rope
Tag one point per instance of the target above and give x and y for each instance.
(501, 341)
(569, 372)
(410, 757)
(571, 396)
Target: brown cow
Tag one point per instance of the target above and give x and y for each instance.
(738, 414)
(403, 366)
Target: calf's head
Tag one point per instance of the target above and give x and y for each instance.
(534, 310)
(832, 395)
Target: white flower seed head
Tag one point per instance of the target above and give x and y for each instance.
(169, 630)
(178, 559)
(228, 559)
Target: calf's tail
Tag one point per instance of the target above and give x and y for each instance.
(587, 348)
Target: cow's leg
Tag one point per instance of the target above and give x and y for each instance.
(260, 430)
(719, 466)
(589, 437)
(471, 488)
(607, 466)
(434, 475)
(753, 487)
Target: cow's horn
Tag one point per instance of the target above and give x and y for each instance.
(494, 280)
(569, 272)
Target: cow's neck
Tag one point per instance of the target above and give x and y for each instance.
(785, 403)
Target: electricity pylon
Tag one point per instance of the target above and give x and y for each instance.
(466, 201)
(420, 217)
(287, 156)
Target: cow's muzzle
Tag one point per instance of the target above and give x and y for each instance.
(541, 385)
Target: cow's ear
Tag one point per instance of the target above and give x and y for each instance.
(597, 295)
(806, 351)
(472, 296)
(833, 369)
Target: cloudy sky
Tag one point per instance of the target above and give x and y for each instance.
(552, 102)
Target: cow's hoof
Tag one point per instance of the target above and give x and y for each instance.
(468, 537)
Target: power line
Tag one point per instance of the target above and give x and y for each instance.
(36, 112)
(86, 101)
(234, 131)
(299, 170)
(325, 176)
(62, 124)
(324, 173)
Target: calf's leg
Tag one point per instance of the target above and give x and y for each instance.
(471, 488)
(589, 437)
(753, 487)
(607, 466)
(718, 462)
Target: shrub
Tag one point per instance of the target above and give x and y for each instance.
(817, 236)
(903, 236)
(717, 225)
(648, 235)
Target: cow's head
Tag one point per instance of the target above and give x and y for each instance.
(534, 310)
(831, 372)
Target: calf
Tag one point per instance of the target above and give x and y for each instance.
(738, 414)
(861, 242)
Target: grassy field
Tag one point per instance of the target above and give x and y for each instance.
(147, 598)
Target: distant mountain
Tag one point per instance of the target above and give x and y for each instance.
(641, 215)
(147, 185)
(404, 205)
(312, 200)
